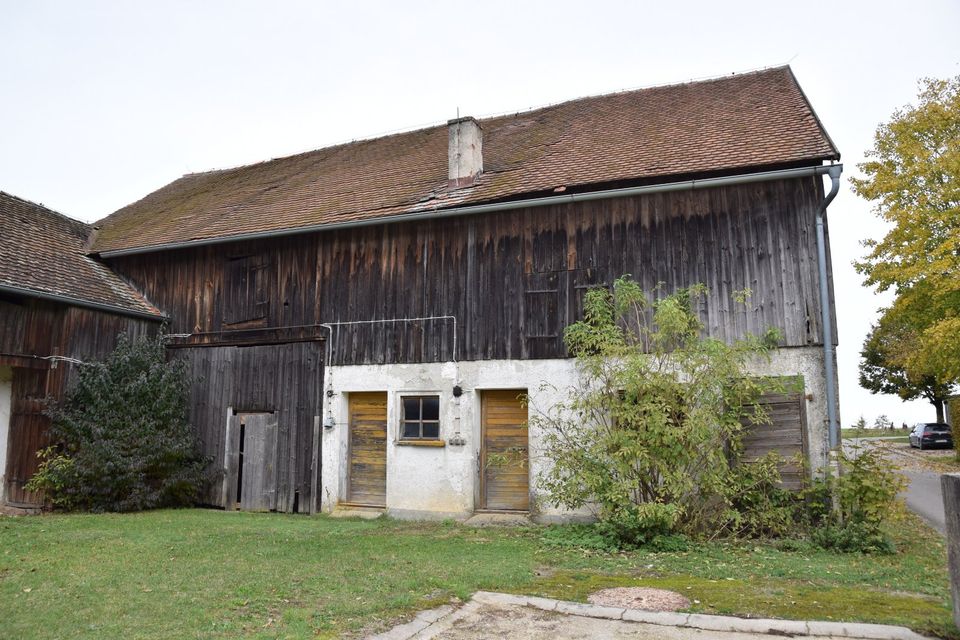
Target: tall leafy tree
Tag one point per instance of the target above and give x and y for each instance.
(889, 344)
(912, 175)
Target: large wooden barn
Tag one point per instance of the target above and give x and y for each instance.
(361, 319)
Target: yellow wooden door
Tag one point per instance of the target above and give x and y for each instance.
(367, 475)
(504, 455)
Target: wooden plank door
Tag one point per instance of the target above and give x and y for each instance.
(367, 472)
(258, 468)
(250, 462)
(28, 433)
(784, 431)
(504, 452)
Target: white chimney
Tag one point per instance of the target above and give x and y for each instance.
(464, 152)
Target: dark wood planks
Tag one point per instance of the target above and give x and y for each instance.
(367, 473)
(783, 431)
(260, 470)
(31, 331)
(283, 379)
(504, 454)
(513, 280)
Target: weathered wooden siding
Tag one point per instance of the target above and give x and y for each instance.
(31, 331)
(513, 280)
(283, 379)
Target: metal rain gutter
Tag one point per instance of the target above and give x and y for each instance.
(833, 424)
(431, 214)
(77, 302)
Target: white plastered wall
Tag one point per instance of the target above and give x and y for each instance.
(441, 482)
(6, 386)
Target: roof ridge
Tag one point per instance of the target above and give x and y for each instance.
(492, 116)
(738, 121)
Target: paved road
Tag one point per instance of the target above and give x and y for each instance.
(922, 494)
(924, 498)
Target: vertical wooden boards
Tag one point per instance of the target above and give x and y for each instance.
(367, 472)
(27, 435)
(784, 431)
(30, 331)
(231, 461)
(497, 273)
(284, 379)
(258, 491)
(504, 452)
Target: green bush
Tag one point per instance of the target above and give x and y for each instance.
(846, 512)
(852, 537)
(121, 437)
(868, 486)
(758, 505)
(602, 537)
(580, 536)
(650, 437)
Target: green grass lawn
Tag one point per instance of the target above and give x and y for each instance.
(875, 433)
(204, 573)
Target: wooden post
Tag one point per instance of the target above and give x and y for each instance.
(950, 485)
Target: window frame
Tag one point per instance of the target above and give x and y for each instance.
(401, 435)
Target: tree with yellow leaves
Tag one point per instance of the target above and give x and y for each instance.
(912, 175)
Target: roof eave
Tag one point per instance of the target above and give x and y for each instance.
(80, 302)
(428, 214)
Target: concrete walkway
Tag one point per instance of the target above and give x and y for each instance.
(500, 615)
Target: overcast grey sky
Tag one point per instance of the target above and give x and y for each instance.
(103, 102)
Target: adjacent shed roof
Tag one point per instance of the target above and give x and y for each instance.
(740, 122)
(43, 253)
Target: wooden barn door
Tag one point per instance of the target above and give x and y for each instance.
(367, 472)
(504, 453)
(250, 478)
(28, 433)
(784, 431)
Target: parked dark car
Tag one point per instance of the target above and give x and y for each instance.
(931, 435)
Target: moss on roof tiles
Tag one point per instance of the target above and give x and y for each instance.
(740, 121)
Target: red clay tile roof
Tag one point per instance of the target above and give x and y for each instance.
(42, 251)
(739, 122)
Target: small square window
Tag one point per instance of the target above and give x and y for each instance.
(421, 418)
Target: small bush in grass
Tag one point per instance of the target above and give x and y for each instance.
(852, 537)
(121, 437)
(580, 536)
(758, 505)
(602, 537)
(847, 512)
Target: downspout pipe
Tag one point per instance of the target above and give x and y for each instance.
(826, 322)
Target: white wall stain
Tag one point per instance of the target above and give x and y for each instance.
(6, 386)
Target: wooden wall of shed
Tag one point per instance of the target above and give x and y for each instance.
(513, 279)
(31, 329)
(286, 379)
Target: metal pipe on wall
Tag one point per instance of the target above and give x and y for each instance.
(833, 425)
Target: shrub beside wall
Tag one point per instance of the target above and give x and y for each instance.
(121, 437)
